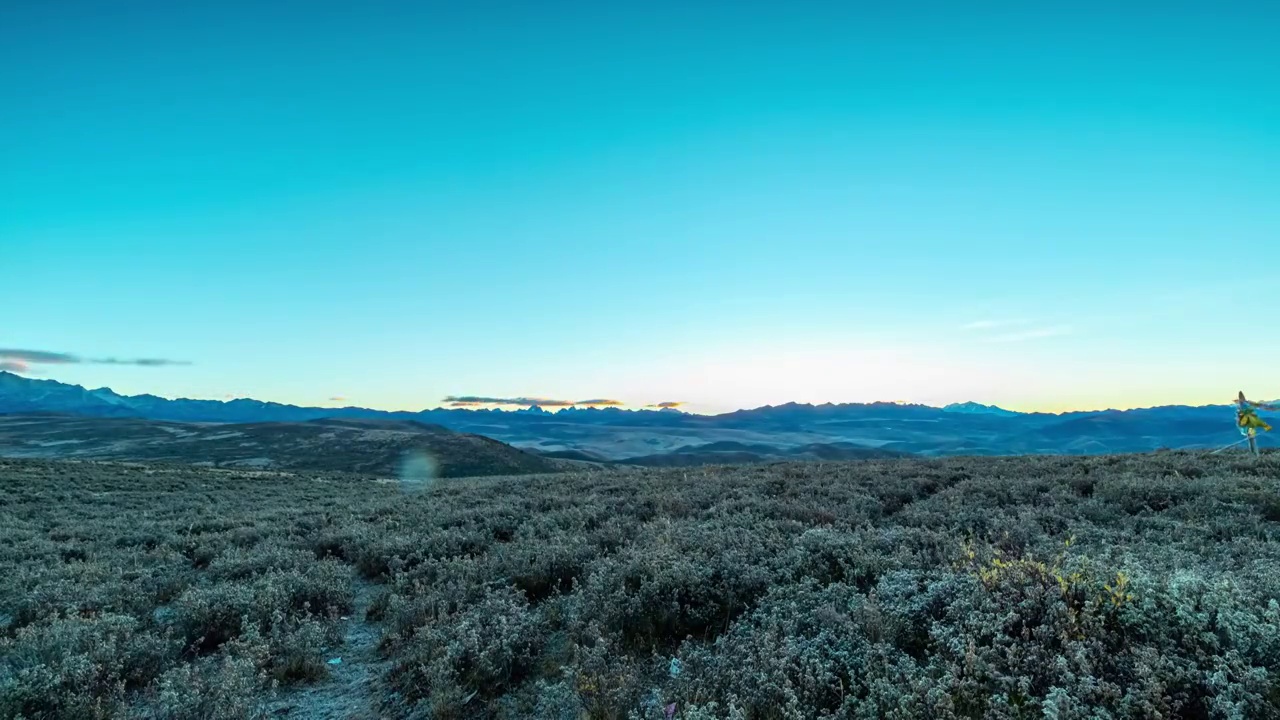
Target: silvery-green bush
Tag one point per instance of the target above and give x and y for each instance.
(1034, 587)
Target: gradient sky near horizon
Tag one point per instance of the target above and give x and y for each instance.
(1040, 205)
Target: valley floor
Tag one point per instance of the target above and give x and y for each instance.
(1118, 586)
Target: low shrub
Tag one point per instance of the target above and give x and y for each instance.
(1093, 587)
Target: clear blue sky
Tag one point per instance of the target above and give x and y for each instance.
(725, 203)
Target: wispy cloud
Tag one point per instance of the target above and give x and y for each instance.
(992, 324)
(1012, 330)
(41, 357)
(337, 398)
(45, 357)
(1033, 334)
(17, 366)
(668, 404)
(461, 401)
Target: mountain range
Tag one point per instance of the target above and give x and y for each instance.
(645, 436)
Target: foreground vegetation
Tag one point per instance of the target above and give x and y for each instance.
(1100, 587)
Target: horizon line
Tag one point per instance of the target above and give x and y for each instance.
(630, 408)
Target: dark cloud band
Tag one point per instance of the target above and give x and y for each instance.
(44, 357)
(140, 362)
(480, 400)
(39, 357)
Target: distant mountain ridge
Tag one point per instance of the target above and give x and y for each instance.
(978, 408)
(615, 434)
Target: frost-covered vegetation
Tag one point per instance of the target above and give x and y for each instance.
(1102, 587)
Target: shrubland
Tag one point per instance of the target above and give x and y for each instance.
(1024, 587)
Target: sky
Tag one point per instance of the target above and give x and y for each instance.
(1046, 206)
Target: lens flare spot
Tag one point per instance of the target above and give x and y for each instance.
(418, 471)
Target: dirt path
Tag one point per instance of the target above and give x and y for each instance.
(349, 693)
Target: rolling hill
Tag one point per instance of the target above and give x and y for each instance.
(370, 447)
(735, 453)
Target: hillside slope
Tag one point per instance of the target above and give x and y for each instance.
(735, 453)
(361, 446)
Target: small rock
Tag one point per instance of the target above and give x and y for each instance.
(336, 661)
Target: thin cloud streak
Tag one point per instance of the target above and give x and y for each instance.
(45, 357)
(1035, 334)
(139, 362)
(991, 324)
(481, 400)
(16, 366)
(40, 357)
